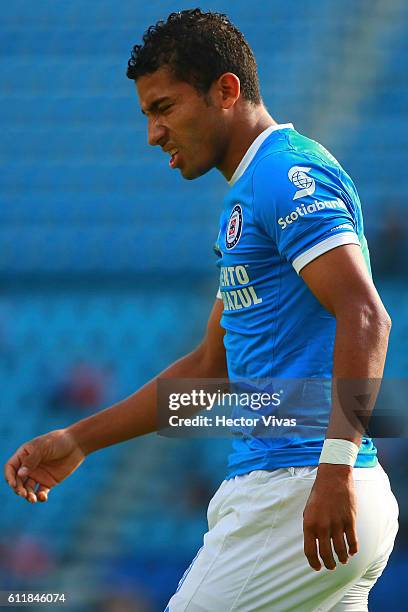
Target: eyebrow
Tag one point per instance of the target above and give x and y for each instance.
(155, 104)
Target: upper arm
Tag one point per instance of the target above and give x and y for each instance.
(340, 281)
(304, 223)
(212, 347)
(313, 216)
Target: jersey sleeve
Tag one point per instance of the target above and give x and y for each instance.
(304, 205)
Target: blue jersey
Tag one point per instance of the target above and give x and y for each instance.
(290, 201)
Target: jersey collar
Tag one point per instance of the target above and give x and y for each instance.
(253, 149)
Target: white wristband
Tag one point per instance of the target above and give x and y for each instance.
(341, 452)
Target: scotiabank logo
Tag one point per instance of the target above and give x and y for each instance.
(299, 176)
(304, 210)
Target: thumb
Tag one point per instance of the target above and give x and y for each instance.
(30, 458)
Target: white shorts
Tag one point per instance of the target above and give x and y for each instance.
(252, 558)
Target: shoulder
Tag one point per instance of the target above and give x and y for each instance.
(296, 156)
(301, 169)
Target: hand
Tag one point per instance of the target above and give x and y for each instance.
(42, 463)
(329, 516)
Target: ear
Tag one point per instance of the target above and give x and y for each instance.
(228, 89)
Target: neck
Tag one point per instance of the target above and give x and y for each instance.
(245, 129)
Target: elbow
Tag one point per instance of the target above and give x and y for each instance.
(379, 319)
(364, 314)
(373, 318)
(210, 364)
(387, 321)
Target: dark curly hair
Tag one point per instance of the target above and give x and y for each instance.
(198, 47)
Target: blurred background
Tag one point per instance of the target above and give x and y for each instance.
(107, 272)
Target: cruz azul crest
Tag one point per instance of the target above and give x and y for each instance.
(234, 227)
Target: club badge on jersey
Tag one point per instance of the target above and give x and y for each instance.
(234, 227)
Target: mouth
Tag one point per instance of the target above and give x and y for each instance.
(173, 158)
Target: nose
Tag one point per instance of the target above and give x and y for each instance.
(155, 132)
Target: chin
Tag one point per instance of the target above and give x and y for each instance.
(189, 176)
(192, 173)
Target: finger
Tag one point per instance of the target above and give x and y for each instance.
(30, 486)
(326, 551)
(20, 464)
(10, 475)
(10, 470)
(42, 493)
(339, 546)
(29, 457)
(20, 489)
(310, 550)
(352, 540)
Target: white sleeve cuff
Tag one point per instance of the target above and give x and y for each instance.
(322, 247)
(219, 296)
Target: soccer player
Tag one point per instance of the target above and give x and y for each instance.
(296, 301)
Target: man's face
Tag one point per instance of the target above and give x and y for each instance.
(187, 125)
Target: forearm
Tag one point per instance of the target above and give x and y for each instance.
(359, 355)
(331, 510)
(137, 414)
(340, 281)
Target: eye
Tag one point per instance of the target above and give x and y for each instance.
(164, 109)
